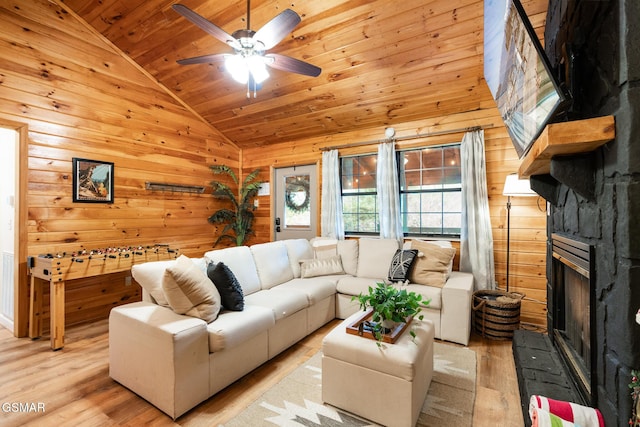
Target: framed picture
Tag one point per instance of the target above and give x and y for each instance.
(92, 181)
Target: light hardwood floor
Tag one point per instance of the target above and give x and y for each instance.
(74, 387)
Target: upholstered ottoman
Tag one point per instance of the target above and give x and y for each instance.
(388, 384)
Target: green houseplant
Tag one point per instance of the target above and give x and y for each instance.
(390, 305)
(238, 218)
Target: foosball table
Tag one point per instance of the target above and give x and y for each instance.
(58, 268)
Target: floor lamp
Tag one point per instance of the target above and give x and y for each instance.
(514, 187)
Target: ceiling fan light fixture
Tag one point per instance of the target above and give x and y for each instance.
(237, 67)
(257, 68)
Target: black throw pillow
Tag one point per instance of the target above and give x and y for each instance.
(227, 285)
(401, 264)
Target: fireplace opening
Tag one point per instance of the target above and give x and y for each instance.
(573, 318)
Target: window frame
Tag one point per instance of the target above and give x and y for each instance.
(402, 194)
(357, 194)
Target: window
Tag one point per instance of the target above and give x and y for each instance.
(359, 194)
(430, 192)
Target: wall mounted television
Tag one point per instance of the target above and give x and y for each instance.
(518, 73)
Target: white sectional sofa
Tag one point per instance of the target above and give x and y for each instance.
(176, 361)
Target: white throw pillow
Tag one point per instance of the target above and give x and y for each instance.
(149, 276)
(321, 267)
(189, 291)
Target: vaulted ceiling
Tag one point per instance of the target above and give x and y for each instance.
(383, 62)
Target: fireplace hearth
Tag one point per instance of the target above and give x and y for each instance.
(541, 371)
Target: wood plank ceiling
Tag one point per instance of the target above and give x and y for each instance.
(383, 62)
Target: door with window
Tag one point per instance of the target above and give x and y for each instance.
(8, 174)
(295, 196)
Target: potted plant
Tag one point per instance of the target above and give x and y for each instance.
(390, 306)
(239, 218)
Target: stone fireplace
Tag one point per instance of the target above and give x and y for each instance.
(594, 198)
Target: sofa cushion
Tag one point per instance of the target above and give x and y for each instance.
(225, 281)
(316, 289)
(374, 257)
(324, 247)
(272, 262)
(281, 301)
(401, 264)
(348, 251)
(240, 260)
(232, 328)
(349, 285)
(356, 285)
(432, 294)
(297, 250)
(321, 267)
(189, 291)
(432, 267)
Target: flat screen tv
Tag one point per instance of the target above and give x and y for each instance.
(518, 73)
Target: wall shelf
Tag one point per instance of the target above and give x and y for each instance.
(566, 138)
(175, 188)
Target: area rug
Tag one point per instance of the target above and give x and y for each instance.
(297, 399)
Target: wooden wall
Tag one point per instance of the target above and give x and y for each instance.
(528, 221)
(79, 97)
(76, 96)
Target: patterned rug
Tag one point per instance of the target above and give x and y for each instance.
(297, 399)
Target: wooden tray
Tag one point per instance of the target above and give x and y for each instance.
(390, 338)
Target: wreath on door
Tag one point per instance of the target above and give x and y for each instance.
(297, 196)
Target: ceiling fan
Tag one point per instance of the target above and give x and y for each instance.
(247, 63)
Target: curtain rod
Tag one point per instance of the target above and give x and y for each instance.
(409, 137)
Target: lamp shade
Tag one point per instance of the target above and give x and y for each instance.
(517, 187)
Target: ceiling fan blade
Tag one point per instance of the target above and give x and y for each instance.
(287, 63)
(216, 57)
(275, 30)
(204, 24)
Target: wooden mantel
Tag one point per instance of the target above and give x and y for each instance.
(565, 138)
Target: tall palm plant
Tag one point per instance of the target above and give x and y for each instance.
(239, 218)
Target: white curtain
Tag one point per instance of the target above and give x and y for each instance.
(332, 223)
(388, 193)
(476, 240)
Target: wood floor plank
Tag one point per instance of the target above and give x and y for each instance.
(76, 390)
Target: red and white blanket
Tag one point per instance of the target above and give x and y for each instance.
(545, 412)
